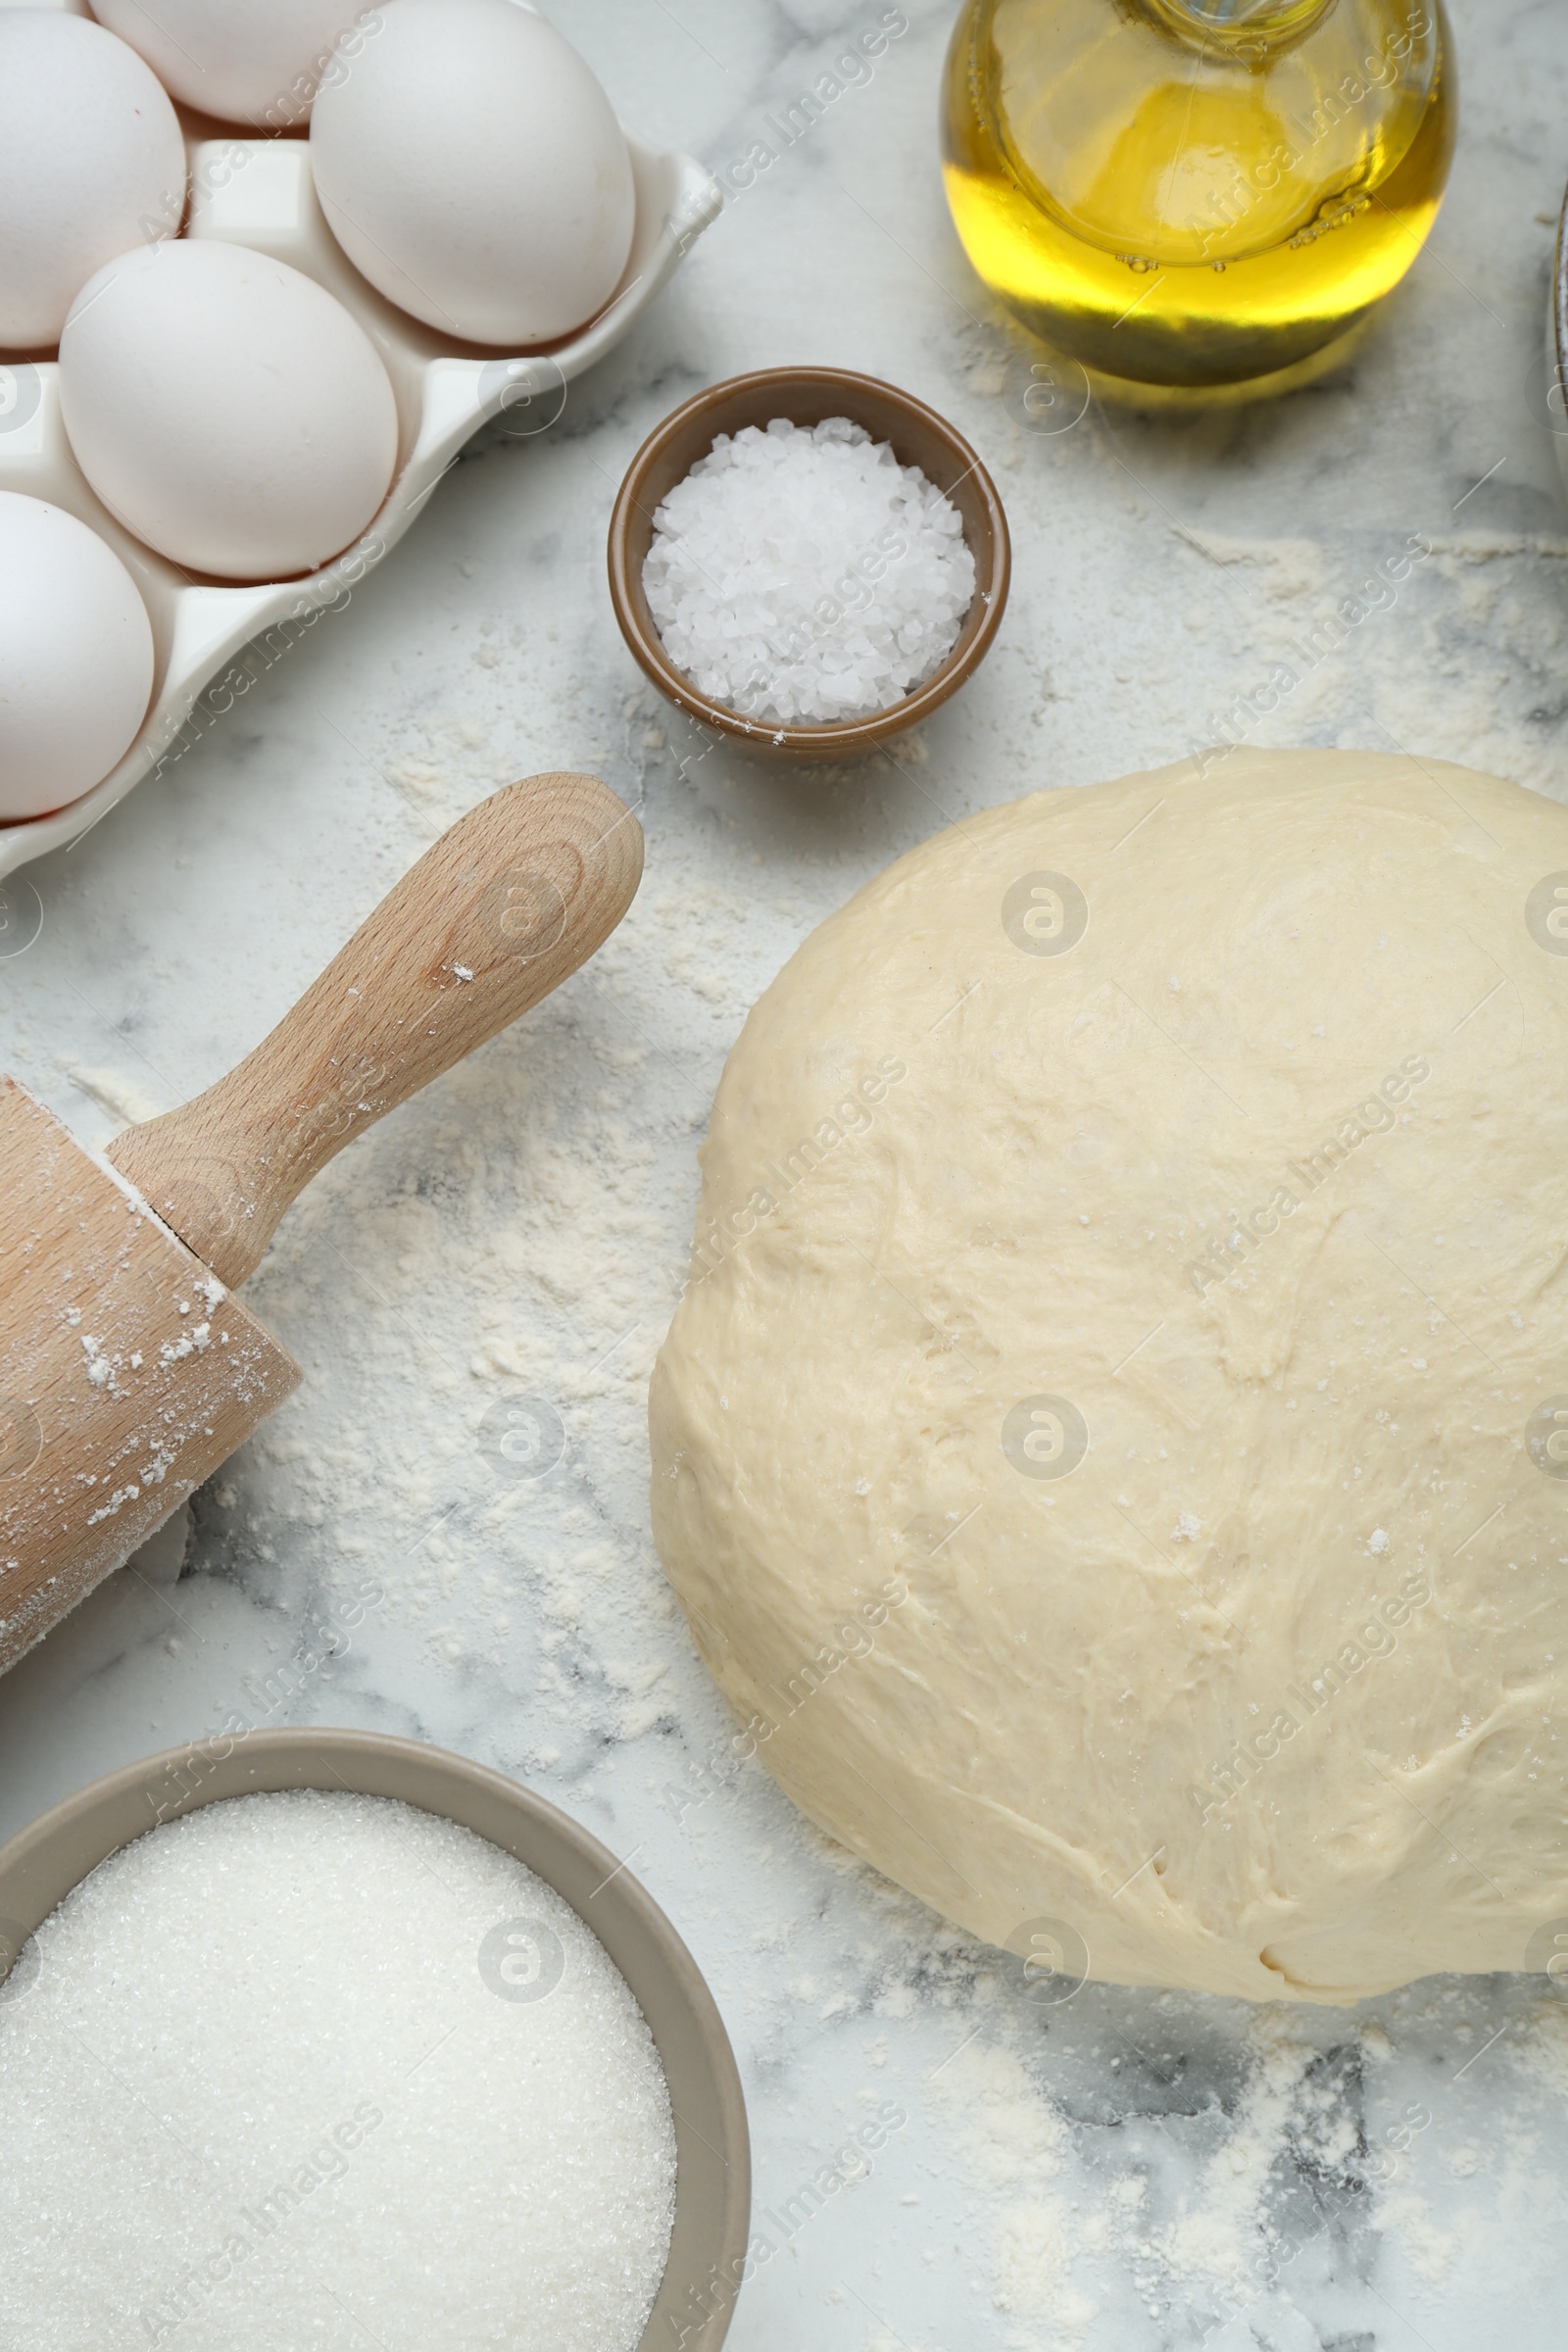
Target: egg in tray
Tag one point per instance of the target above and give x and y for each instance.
(208, 437)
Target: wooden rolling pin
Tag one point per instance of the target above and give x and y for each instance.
(128, 1373)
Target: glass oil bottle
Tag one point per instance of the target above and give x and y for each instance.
(1197, 193)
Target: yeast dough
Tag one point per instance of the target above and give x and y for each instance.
(1114, 1448)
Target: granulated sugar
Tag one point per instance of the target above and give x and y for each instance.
(801, 574)
(322, 2070)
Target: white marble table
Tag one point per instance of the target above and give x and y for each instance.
(1112, 2172)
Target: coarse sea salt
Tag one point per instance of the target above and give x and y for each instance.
(322, 2069)
(806, 575)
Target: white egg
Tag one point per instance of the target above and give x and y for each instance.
(76, 658)
(91, 163)
(226, 408)
(471, 167)
(245, 60)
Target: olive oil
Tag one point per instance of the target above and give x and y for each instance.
(1197, 192)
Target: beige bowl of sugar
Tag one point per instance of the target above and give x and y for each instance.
(323, 2037)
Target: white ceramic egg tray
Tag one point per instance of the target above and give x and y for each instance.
(260, 193)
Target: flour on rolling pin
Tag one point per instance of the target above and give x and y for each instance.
(124, 1361)
(128, 1373)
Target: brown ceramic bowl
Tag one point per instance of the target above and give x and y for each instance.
(806, 395)
(43, 1862)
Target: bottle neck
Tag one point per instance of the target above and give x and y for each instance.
(1250, 29)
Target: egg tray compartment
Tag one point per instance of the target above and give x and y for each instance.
(260, 193)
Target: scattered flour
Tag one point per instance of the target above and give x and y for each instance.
(127, 1099)
(1257, 2164)
(1012, 2141)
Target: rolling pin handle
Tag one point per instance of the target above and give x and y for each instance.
(504, 907)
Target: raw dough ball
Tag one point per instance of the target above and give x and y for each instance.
(473, 167)
(1114, 1452)
(228, 408)
(91, 163)
(245, 60)
(76, 658)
